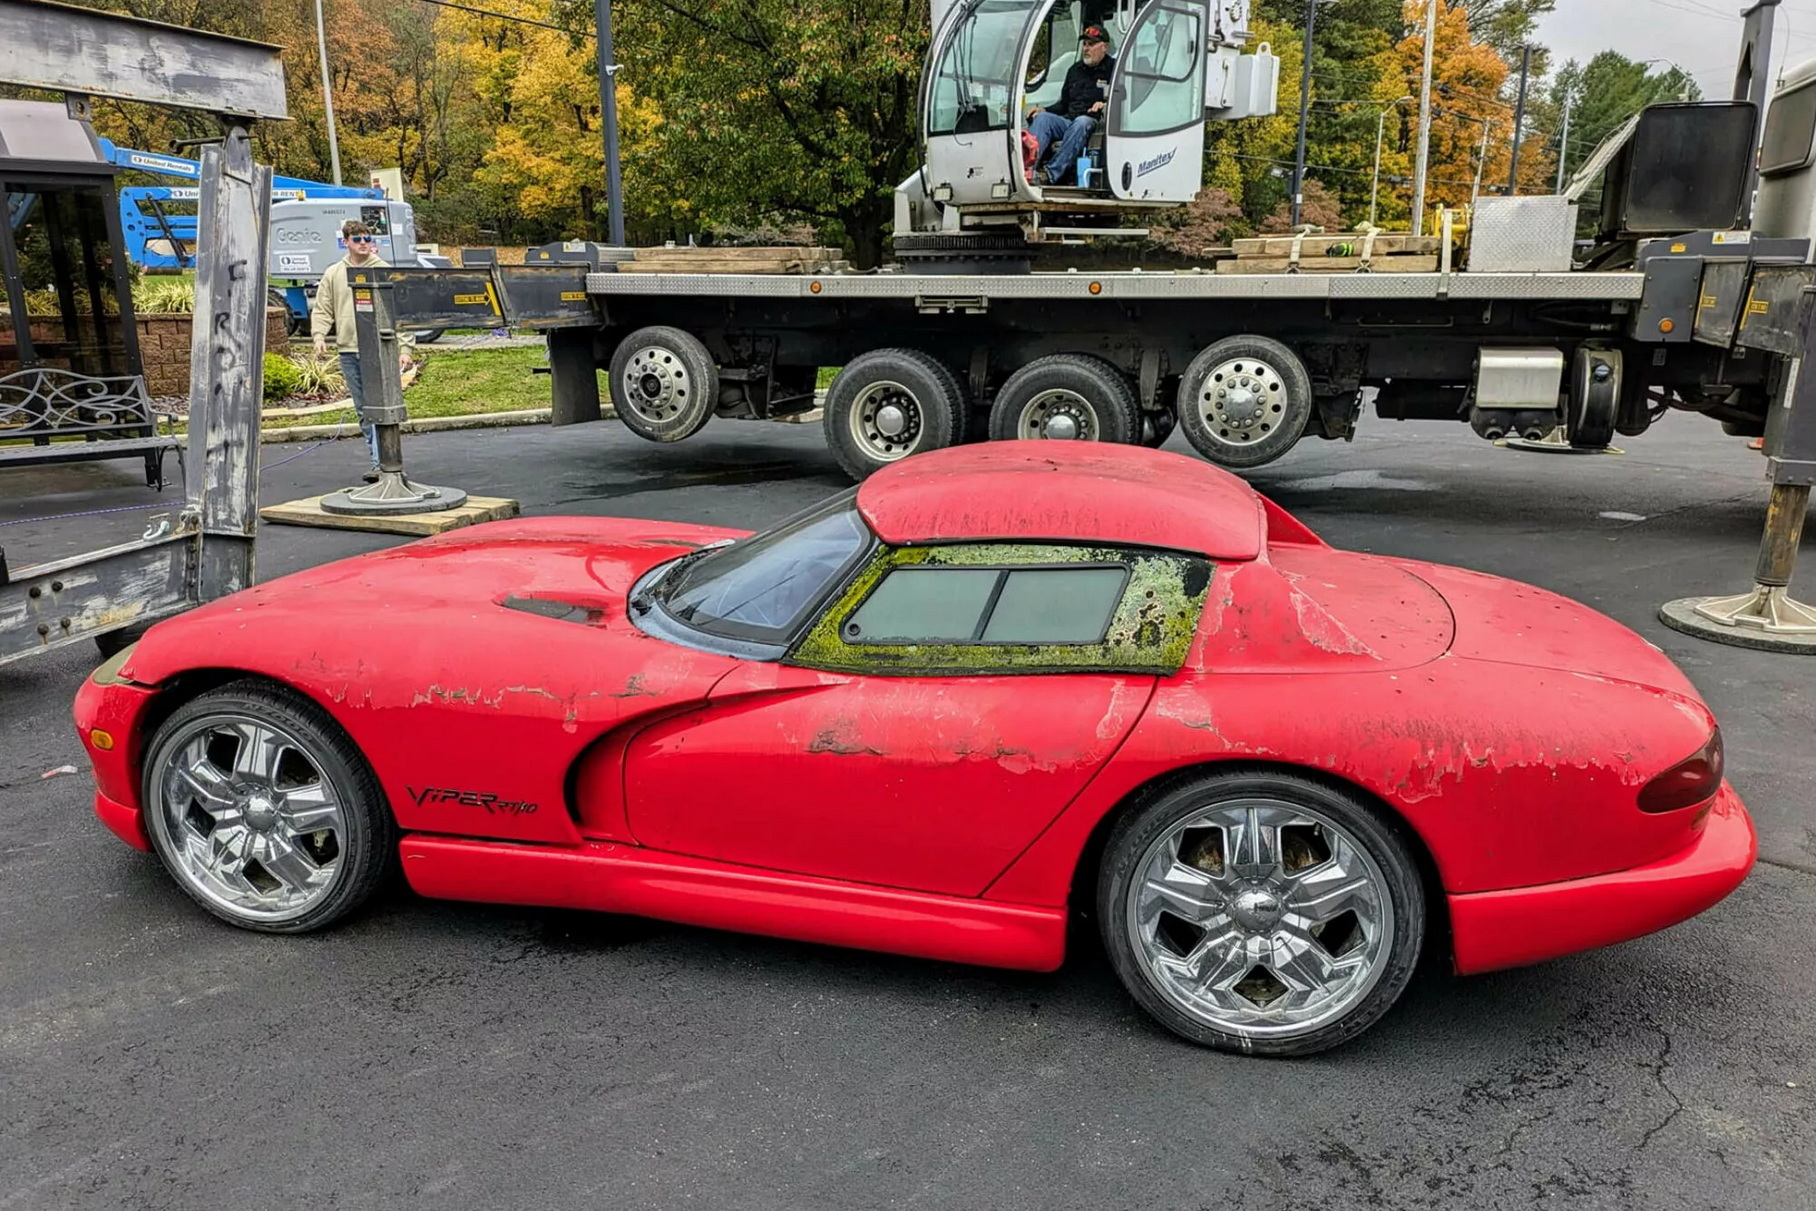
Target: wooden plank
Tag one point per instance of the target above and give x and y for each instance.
(309, 512)
(1385, 244)
(91, 53)
(1329, 264)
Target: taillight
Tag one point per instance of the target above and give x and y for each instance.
(1693, 780)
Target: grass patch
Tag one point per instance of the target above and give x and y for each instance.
(462, 383)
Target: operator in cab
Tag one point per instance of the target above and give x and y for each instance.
(1082, 102)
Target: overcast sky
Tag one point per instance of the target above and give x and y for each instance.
(1701, 36)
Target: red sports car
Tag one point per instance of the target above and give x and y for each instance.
(991, 686)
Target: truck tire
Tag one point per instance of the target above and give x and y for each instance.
(1067, 396)
(890, 403)
(1244, 401)
(665, 384)
(1593, 403)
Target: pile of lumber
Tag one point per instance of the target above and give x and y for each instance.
(1334, 252)
(713, 259)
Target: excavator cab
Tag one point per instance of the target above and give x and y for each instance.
(1179, 63)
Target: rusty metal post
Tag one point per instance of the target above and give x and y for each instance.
(381, 376)
(1767, 616)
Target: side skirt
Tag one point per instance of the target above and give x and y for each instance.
(607, 877)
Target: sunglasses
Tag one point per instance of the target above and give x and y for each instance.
(363, 239)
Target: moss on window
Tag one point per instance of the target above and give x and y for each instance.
(1150, 632)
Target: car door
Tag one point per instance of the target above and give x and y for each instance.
(1154, 147)
(940, 714)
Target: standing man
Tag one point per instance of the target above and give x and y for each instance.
(1082, 101)
(332, 314)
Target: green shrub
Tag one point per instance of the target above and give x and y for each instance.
(282, 377)
(153, 295)
(319, 376)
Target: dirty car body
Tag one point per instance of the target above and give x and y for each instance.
(992, 686)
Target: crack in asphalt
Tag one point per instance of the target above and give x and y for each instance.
(1657, 1069)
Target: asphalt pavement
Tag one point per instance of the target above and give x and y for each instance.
(457, 1056)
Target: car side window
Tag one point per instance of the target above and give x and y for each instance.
(1011, 608)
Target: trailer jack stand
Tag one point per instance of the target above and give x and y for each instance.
(1767, 617)
(378, 357)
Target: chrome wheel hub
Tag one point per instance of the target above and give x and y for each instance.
(1260, 918)
(885, 421)
(252, 823)
(656, 384)
(1059, 415)
(1242, 400)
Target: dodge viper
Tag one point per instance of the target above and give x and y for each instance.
(993, 689)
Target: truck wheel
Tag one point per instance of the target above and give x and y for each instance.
(664, 384)
(890, 403)
(1594, 399)
(1067, 396)
(1244, 401)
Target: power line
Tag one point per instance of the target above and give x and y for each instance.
(486, 12)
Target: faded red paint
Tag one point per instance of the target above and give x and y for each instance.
(1510, 729)
(1088, 492)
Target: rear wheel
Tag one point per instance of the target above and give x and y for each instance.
(1264, 913)
(1245, 401)
(1069, 397)
(263, 810)
(665, 384)
(890, 403)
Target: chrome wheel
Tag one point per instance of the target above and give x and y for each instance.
(657, 384)
(252, 823)
(886, 421)
(1242, 400)
(1060, 415)
(1260, 918)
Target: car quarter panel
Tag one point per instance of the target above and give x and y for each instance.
(470, 711)
(1510, 776)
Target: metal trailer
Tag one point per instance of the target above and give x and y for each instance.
(206, 549)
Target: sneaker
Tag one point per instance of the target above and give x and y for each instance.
(371, 475)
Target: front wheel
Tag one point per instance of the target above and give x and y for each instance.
(1263, 913)
(263, 810)
(665, 383)
(1244, 401)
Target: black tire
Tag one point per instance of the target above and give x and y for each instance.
(1093, 395)
(1261, 425)
(364, 838)
(112, 643)
(676, 384)
(922, 390)
(1389, 957)
(1156, 427)
(1592, 406)
(294, 324)
(430, 336)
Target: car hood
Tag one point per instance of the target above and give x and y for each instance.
(505, 579)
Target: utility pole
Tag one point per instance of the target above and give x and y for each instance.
(1563, 142)
(1419, 168)
(1475, 190)
(1374, 189)
(1305, 104)
(321, 43)
(1519, 121)
(608, 115)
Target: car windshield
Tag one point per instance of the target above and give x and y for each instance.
(763, 587)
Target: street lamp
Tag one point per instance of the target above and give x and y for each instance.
(1380, 129)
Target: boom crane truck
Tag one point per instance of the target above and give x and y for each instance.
(980, 331)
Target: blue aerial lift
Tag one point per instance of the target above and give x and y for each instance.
(159, 225)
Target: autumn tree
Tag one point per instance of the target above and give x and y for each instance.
(795, 108)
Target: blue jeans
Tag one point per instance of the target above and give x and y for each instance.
(357, 389)
(1070, 134)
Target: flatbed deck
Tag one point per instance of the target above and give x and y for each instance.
(1131, 284)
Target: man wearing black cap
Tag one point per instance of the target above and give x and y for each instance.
(1081, 105)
